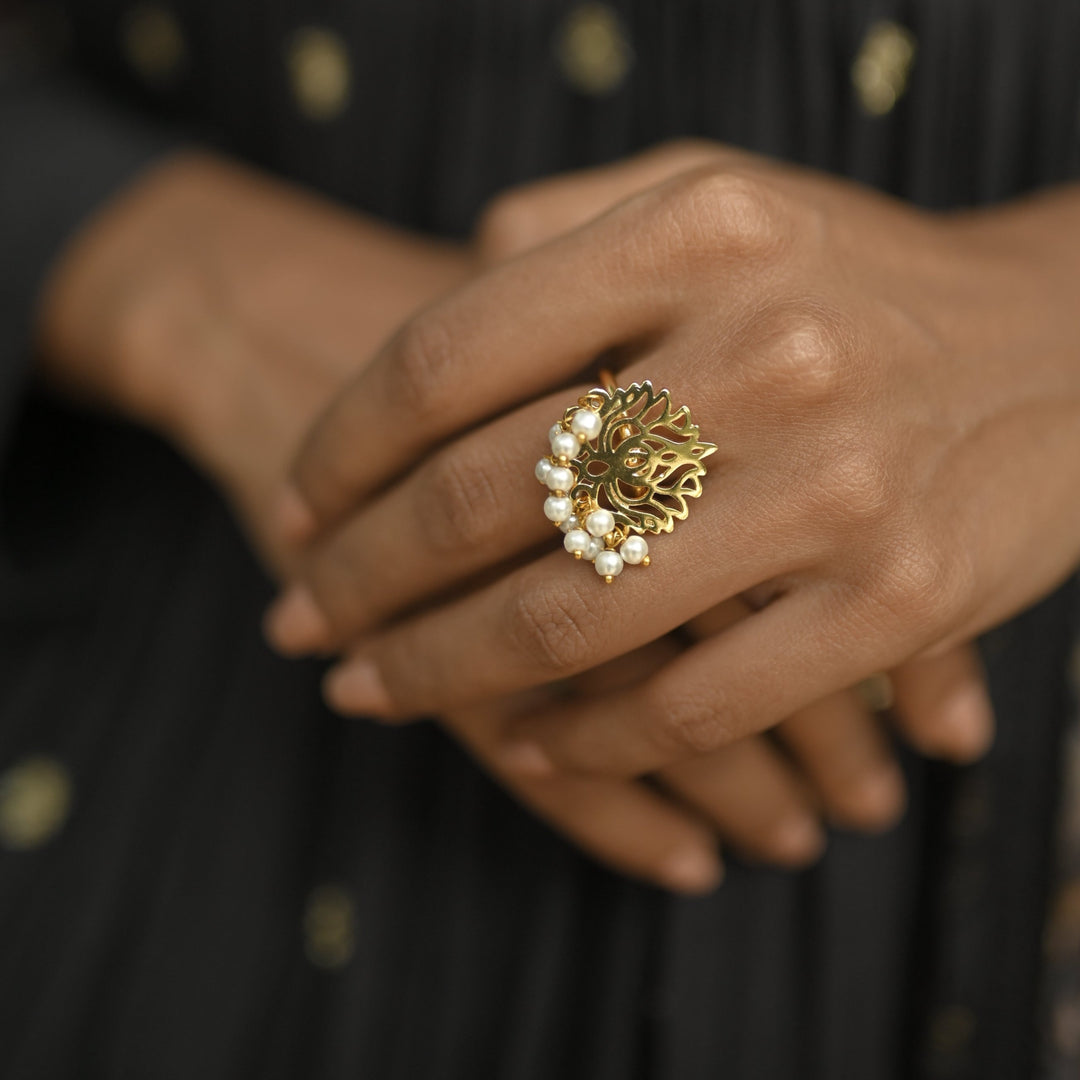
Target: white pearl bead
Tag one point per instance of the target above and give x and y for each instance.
(559, 478)
(600, 522)
(570, 523)
(609, 564)
(634, 549)
(576, 540)
(555, 429)
(543, 467)
(585, 422)
(557, 508)
(594, 548)
(564, 444)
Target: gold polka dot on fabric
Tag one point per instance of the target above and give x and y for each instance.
(35, 799)
(951, 1030)
(1061, 937)
(329, 938)
(318, 63)
(593, 50)
(1066, 1025)
(153, 43)
(881, 69)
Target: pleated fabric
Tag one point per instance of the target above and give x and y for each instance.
(161, 934)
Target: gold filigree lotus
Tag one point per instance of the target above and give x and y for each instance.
(623, 463)
(647, 461)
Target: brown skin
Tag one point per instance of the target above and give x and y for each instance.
(896, 399)
(225, 310)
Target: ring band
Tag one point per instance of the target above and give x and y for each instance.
(622, 464)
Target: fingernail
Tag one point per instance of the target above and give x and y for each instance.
(799, 839)
(881, 797)
(294, 625)
(357, 688)
(967, 724)
(692, 870)
(295, 521)
(525, 759)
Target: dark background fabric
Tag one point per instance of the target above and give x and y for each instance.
(160, 934)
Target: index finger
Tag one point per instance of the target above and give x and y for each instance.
(526, 326)
(550, 620)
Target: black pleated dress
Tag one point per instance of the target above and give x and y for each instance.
(204, 873)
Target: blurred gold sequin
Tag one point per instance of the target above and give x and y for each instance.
(1061, 938)
(153, 43)
(318, 63)
(329, 937)
(881, 69)
(593, 50)
(35, 797)
(1066, 1024)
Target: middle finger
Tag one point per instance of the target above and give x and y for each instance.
(468, 507)
(554, 618)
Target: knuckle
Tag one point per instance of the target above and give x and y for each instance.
(459, 503)
(691, 721)
(733, 212)
(547, 627)
(808, 355)
(424, 361)
(914, 585)
(508, 225)
(924, 589)
(855, 487)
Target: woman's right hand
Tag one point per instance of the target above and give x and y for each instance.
(767, 797)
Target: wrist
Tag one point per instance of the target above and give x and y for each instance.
(1022, 346)
(1025, 262)
(127, 295)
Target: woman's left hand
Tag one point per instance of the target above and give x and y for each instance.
(766, 797)
(896, 400)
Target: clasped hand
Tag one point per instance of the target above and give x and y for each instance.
(892, 413)
(894, 395)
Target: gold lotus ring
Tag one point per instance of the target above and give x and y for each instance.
(623, 463)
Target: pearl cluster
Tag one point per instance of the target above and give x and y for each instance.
(590, 530)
